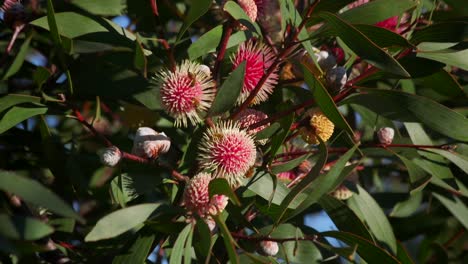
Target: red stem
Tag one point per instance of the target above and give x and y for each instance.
(280, 240)
(227, 31)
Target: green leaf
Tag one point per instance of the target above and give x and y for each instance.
(288, 165)
(229, 92)
(458, 159)
(239, 14)
(278, 139)
(369, 211)
(325, 102)
(366, 249)
(408, 207)
(445, 84)
(304, 183)
(52, 23)
(407, 107)
(17, 115)
(363, 46)
(140, 61)
(229, 241)
(73, 25)
(418, 177)
(384, 38)
(14, 99)
(403, 255)
(221, 186)
(102, 7)
(377, 11)
(33, 192)
(66, 225)
(23, 228)
(121, 221)
(263, 184)
(454, 58)
(452, 31)
(203, 245)
(138, 252)
(268, 132)
(327, 182)
(19, 59)
(208, 42)
(343, 217)
(456, 207)
(179, 245)
(197, 9)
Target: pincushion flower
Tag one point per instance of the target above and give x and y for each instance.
(110, 156)
(258, 58)
(186, 92)
(197, 199)
(250, 8)
(227, 150)
(249, 117)
(320, 127)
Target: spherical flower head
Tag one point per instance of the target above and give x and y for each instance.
(249, 117)
(217, 204)
(258, 58)
(197, 198)
(250, 8)
(228, 151)
(110, 156)
(342, 193)
(320, 126)
(269, 248)
(385, 135)
(186, 92)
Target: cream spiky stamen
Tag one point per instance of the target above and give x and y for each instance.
(228, 151)
(258, 58)
(186, 92)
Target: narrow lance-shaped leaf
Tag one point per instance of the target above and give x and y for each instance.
(121, 221)
(17, 115)
(363, 46)
(229, 92)
(179, 245)
(369, 211)
(33, 192)
(456, 207)
(229, 241)
(23, 228)
(197, 9)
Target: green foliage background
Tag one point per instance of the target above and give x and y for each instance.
(407, 199)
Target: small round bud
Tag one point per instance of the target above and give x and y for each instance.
(110, 156)
(217, 204)
(342, 193)
(386, 135)
(270, 248)
(211, 224)
(325, 60)
(336, 78)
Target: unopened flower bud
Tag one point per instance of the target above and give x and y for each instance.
(270, 248)
(205, 69)
(325, 60)
(211, 224)
(159, 144)
(386, 135)
(217, 204)
(149, 143)
(342, 193)
(336, 78)
(110, 156)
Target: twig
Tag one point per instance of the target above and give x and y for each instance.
(280, 240)
(221, 50)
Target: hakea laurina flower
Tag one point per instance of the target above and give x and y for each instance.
(149, 143)
(385, 135)
(110, 156)
(249, 117)
(14, 13)
(300, 171)
(320, 127)
(186, 92)
(269, 248)
(342, 193)
(227, 150)
(258, 58)
(197, 199)
(250, 8)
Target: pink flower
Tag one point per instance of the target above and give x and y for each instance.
(187, 92)
(228, 151)
(249, 117)
(197, 198)
(250, 8)
(150, 144)
(258, 58)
